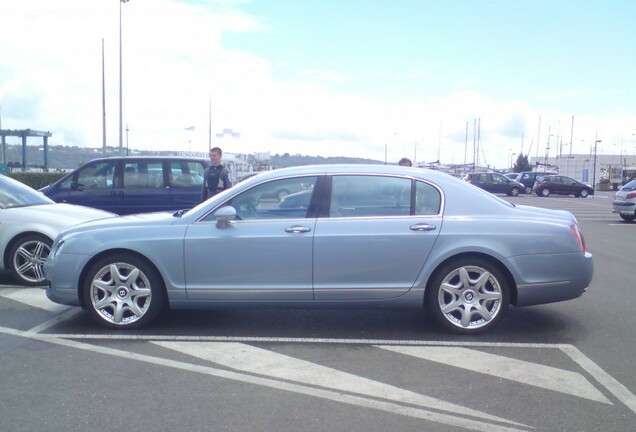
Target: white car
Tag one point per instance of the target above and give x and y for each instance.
(625, 201)
(29, 222)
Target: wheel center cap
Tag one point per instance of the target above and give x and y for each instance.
(469, 296)
(122, 292)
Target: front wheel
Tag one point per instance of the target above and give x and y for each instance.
(123, 291)
(468, 296)
(514, 192)
(27, 257)
(584, 193)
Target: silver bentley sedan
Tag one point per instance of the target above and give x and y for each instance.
(351, 235)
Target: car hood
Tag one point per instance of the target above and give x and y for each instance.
(159, 218)
(544, 213)
(68, 213)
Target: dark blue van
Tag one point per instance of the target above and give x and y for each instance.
(132, 184)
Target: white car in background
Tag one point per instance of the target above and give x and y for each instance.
(625, 201)
(29, 222)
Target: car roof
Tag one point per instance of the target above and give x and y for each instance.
(153, 157)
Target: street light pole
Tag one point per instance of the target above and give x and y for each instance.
(121, 122)
(594, 167)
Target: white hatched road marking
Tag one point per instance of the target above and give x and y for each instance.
(547, 377)
(255, 360)
(35, 297)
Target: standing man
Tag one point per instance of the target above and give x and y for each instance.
(216, 177)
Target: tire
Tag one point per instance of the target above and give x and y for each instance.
(123, 291)
(545, 192)
(514, 192)
(627, 218)
(27, 257)
(468, 296)
(584, 193)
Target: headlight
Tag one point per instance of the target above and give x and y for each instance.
(57, 247)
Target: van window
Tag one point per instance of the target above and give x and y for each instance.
(143, 174)
(186, 174)
(97, 175)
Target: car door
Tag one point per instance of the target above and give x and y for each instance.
(375, 238)
(185, 183)
(93, 185)
(143, 189)
(499, 183)
(266, 254)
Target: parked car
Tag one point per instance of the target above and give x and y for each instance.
(132, 184)
(562, 185)
(625, 201)
(375, 235)
(495, 183)
(511, 175)
(29, 222)
(528, 178)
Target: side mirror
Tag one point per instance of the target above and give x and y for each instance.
(224, 216)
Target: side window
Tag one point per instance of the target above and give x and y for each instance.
(499, 179)
(98, 175)
(186, 174)
(427, 199)
(66, 184)
(360, 196)
(143, 174)
(278, 199)
(525, 177)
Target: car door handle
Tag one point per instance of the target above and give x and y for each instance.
(296, 229)
(422, 227)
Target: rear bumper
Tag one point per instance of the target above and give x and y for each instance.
(548, 283)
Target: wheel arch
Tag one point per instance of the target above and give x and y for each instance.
(489, 258)
(102, 254)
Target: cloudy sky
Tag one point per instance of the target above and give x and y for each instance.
(328, 77)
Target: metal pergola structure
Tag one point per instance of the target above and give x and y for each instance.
(24, 134)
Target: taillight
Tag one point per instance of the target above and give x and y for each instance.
(579, 236)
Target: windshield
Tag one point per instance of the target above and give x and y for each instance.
(16, 194)
(630, 186)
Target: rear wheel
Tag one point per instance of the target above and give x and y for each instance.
(123, 291)
(627, 218)
(545, 192)
(27, 257)
(528, 190)
(468, 296)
